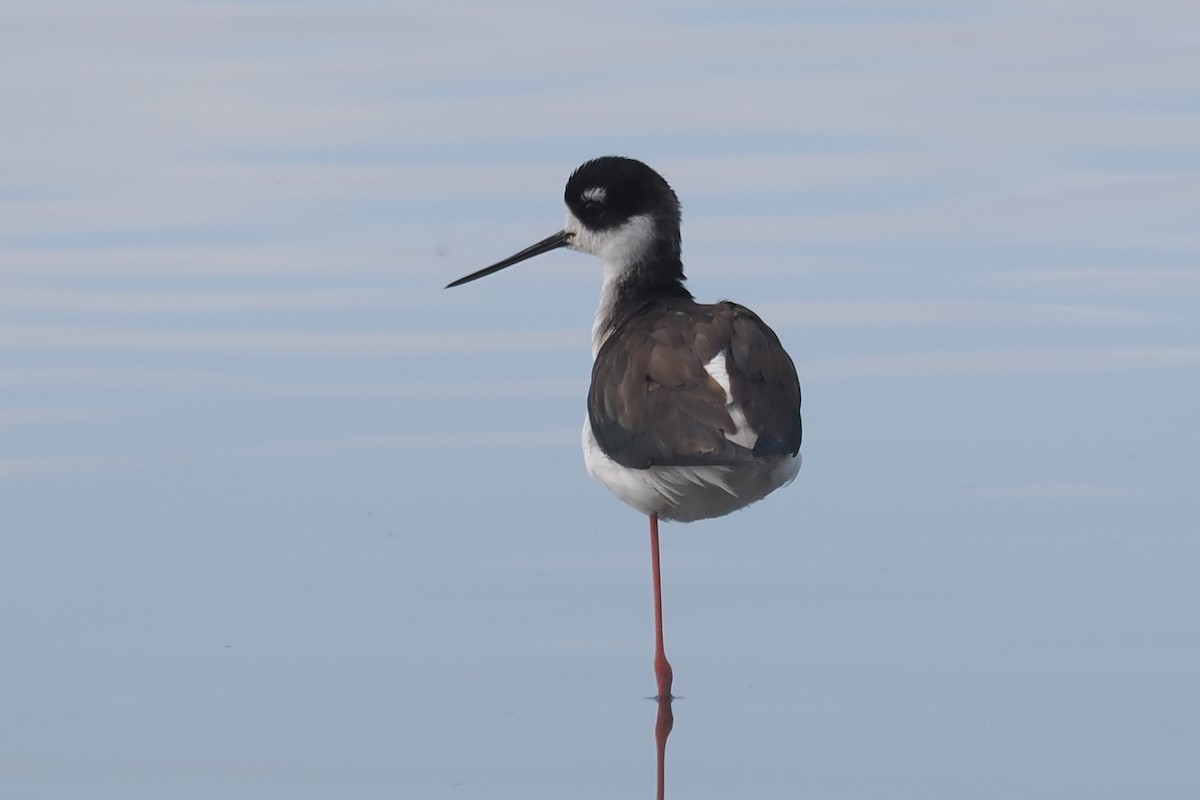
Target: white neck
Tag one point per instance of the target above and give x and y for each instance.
(618, 249)
(603, 326)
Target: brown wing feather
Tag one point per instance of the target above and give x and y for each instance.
(652, 401)
(763, 377)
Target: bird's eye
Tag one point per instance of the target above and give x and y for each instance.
(593, 209)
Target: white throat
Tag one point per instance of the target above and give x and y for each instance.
(618, 249)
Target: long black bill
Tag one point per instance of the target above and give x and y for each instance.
(560, 239)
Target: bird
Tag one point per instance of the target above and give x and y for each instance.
(694, 409)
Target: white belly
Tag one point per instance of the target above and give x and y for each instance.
(687, 494)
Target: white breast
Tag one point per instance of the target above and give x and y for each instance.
(687, 494)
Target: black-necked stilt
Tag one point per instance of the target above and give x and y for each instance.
(694, 410)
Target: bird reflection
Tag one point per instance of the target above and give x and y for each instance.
(662, 729)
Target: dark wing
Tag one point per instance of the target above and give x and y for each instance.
(763, 378)
(653, 403)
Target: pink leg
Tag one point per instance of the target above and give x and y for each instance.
(662, 670)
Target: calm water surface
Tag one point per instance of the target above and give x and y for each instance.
(281, 518)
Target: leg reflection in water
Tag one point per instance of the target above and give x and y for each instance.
(662, 729)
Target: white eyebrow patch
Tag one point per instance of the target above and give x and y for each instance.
(596, 194)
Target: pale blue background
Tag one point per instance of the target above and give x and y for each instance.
(279, 517)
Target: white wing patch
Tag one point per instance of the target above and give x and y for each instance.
(744, 435)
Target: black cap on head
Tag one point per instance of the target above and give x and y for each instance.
(605, 192)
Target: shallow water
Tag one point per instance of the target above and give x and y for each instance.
(282, 518)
